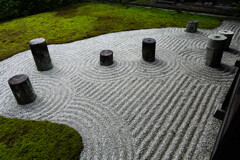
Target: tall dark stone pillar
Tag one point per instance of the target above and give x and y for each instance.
(229, 35)
(148, 49)
(22, 89)
(40, 54)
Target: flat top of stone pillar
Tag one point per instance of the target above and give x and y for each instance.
(149, 40)
(217, 37)
(37, 41)
(106, 53)
(225, 32)
(18, 79)
(193, 21)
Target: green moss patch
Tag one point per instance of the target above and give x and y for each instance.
(23, 140)
(87, 20)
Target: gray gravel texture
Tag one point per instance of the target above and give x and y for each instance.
(131, 109)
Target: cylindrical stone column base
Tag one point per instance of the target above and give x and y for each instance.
(229, 35)
(106, 58)
(40, 54)
(192, 26)
(22, 89)
(148, 49)
(214, 50)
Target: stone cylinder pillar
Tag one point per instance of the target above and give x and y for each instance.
(148, 49)
(214, 50)
(192, 26)
(106, 58)
(40, 54)
(22, 89)
(229, 35)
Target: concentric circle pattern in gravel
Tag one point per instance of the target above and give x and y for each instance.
(132, 109)
(193, 64)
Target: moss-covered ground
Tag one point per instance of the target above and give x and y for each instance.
(87, 20)
(40, 140)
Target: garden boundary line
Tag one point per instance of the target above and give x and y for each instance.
(220, 14)
(228, 138)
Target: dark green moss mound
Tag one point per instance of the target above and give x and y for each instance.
(87, 20)
(25, 140)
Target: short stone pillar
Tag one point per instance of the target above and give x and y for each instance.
(106, 58)
(148, 49)
(40, 54)
(192, 26)
(214, 50)
(229, 35)
(22, 89)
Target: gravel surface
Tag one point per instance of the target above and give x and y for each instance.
(131, 109)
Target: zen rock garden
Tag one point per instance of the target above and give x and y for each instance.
(24, 93)
(144, 94)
